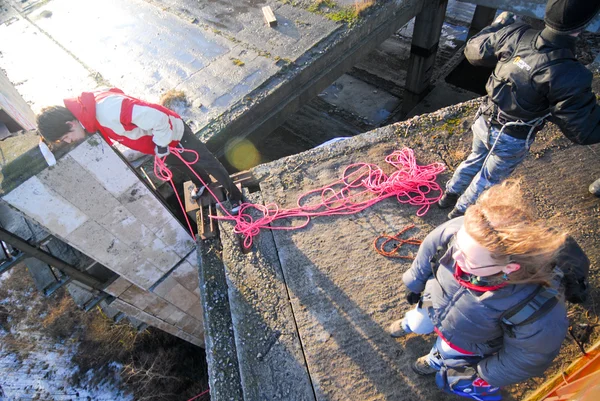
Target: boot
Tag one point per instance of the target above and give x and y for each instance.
(455, 213)
(448, 200)
(396, 330)
(421, 366)
(595, 188)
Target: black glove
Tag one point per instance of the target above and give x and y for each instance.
(413, 298)
(504, 19)
(161, 151)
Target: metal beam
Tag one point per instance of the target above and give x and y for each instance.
(45, 257)
(529, 8)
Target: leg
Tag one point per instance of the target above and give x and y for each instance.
(441, 350)
(469, 168)
(415, 321)
(208, 163)
(508, 153)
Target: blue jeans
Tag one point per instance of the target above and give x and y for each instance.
(479, 172)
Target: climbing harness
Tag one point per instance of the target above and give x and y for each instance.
(396, 242)
(501, 116)
(360, 186)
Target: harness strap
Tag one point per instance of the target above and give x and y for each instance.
(540, 302)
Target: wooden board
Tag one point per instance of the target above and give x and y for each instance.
(269, 16)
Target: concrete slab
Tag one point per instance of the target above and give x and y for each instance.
(58, 215)
(221, 354)
(139, 271)
(269, 351)
(360, 98)
(79, 187)
(118, 286)
(94, 240)
(343, 294)
(243, 73)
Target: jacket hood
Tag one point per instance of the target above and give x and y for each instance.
(83, 108)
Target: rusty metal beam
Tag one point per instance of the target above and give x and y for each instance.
(45, 257)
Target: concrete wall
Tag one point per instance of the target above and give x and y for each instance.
(94, 202)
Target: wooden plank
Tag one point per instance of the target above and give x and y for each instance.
(548, 388)
(269, 16)
(578, 385)
(245, 179)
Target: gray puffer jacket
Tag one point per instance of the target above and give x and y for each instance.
(472, 321)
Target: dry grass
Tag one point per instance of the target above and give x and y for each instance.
(360, 6)
(173, 98)
(156, 365)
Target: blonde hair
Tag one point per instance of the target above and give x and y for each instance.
(503, 223)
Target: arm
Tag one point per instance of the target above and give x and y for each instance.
(485, 48)
(420, 270)
(155, 121)
(572, 102)
(529, 352)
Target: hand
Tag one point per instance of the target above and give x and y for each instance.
(413, 298)
(161, 151)
(506, 18)
(465, 382)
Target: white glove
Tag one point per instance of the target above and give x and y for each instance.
(506, 18)
(161, 151)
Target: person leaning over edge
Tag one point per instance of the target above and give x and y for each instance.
(536, 78)
(493, 259)
(146, 127)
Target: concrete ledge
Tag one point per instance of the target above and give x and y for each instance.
(223, 372)
(308, 76)
(270, 354)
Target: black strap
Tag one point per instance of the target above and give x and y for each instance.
(532, 308)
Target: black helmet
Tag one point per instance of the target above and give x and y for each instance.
(570, 16)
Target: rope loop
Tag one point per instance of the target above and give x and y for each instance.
(360, 186)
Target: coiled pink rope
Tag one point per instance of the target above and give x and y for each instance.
(360, 186)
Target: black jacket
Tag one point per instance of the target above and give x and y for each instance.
(547, 79)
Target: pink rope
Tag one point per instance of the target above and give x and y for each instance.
(361, 186)
(200, 395)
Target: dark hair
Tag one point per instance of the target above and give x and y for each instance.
(52, 122)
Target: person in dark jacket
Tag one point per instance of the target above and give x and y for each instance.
(536, 79)
(497, 256)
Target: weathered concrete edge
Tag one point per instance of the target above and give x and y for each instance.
(221, 355)
(269, 348)
(26, 165)
(364, 140)
(286, 93)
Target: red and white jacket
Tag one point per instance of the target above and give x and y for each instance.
(132, 122)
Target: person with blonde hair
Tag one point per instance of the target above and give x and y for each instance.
(487, 283)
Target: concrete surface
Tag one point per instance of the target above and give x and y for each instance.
(343, 295)
(530, 8)
(92, 201)
(220, 53)
(221, 354)
(272, 365)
